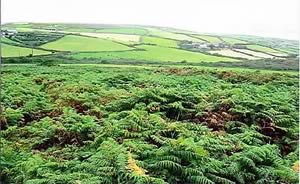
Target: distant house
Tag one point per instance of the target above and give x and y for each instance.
(218, 45)
(9, 32)
(204, 46)
(194, 45)
(201, 46)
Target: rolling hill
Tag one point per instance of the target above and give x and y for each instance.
(116, 104)
(140, 43)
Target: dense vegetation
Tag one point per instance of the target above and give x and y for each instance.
(95, 124)
(289, 64)
(36, 38)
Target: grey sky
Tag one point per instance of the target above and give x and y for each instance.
(273, 18)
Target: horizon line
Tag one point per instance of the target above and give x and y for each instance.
(146, 25)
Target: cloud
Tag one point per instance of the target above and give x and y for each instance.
(273, 18)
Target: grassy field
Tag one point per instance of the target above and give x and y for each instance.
(265, 49)
(145, 43)
(159, 41)
(155, 53)
(80, 43)
(232, 53)
(255, 53)
(294, 51)
(9, 41)
(80, 29)
(134, 31)
(124, 38)
(171, 35)
(94, 124)
(289, 46)
(14, 51)
(233, 41)
(21, 29)
(208, 38)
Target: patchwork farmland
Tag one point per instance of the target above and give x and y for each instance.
(93, 104)
(136, 43)
(81, 44)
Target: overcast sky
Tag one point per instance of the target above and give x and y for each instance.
(273, 18)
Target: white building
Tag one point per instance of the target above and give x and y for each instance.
(9, 32)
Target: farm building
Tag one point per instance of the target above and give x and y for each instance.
(204, 46)
(218, 45)
(9, 32)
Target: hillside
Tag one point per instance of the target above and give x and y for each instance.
(105, 43)
(120, 104)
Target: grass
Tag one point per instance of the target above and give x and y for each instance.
(137, 31)
(170, 35)
(25, 29)
(211, 39)
(263, 49)
(14, 25)
(80, 43)
(231, 53)
(233, 41)
(159, 41)
(14, 51)
(155, 53)
(124, 38)
(89, 30)
(289, 50)
(254, 53)
(7, 40)
(106, 38)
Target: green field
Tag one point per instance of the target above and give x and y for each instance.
(136, 31)
(90, 124)
(25, 29)
(9, 41)
(155, 53)
(208, 38)
(159, 41)
(140, 43)
(288, 46)
(14, 51)
(233, 41)
(79, 29)
(294, 51)
(80, 43)
(170, 35)
(262, 49)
